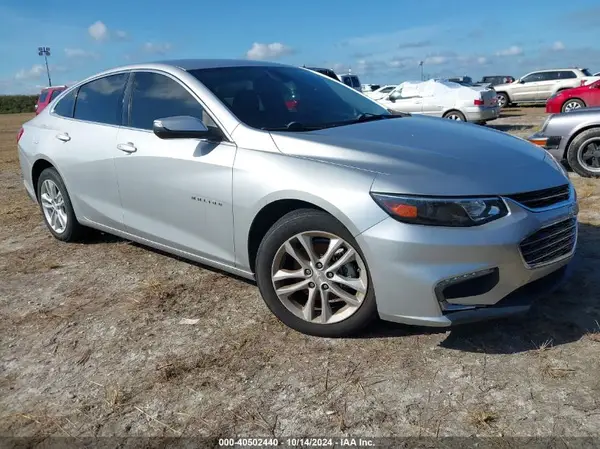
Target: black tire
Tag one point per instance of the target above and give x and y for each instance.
(456, 113)
(73, 230)
(293, 223)
(581, 103)
(574, 148)
(503, 100)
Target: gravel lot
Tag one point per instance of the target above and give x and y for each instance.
(95, 341)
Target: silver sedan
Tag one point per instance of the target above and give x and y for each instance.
(341, 211)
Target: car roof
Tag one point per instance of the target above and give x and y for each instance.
(555, 70)
(195, 64)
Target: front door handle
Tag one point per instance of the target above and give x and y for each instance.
(64, 137)
(127, 147)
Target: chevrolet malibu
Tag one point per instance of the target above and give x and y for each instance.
(341, 211)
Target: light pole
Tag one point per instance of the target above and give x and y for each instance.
(421, 65)
(45, 52)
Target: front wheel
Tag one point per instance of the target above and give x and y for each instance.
(313, 276)
(583, 154)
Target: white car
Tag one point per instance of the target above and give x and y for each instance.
(381, 92)
(443, 99)
(538, 86)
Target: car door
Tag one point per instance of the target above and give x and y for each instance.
(398, 102)
(83, 134)
(526, 89)
(546, 85)
(175, 192)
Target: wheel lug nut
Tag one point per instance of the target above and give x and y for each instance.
(319, 265)
(325, 287)
(311, 285)
(330, 275)
(307, 272)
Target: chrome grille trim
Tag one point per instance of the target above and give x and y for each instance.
(550, 244)
(542, 199)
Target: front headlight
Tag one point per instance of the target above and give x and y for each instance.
(455, 212)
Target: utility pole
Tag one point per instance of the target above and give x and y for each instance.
(45, 52)
(421, 65)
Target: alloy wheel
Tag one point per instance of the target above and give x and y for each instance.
(319, 277)
(588, 155)
(454, 116)
(571, 105)
(53, 205)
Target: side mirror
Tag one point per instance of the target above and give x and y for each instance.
(181, 127)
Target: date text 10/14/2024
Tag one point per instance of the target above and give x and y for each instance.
(296, 442)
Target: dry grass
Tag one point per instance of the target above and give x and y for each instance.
(109, 338)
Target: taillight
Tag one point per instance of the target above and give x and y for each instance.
(478, 102)
(20, 134)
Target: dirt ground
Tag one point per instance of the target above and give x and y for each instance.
(96, 340)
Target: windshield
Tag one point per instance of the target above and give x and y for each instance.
(586, 72)
(259, 96)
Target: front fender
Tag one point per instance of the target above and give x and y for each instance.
(261, 178)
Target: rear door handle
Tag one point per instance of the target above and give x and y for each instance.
(127, 147)
(64, 137)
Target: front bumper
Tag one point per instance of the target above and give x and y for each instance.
(552, 144)
(482, 113)
(408, 263)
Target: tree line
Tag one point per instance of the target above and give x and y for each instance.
(12, 104)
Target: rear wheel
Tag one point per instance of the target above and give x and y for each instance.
(583, 154)
(313, 276)
(571, 104)
(455, 115)
(503, 100)
(56, 207)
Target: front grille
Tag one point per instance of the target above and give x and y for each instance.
(550, 243)
(542, 198)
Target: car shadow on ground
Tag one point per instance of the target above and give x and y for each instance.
(564, 316)
(511, 128)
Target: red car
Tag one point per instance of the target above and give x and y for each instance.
(578, 97)
(46, 96)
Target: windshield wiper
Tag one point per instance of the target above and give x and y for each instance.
(369, 117)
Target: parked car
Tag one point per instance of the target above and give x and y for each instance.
(597, 74)
(327, 72)
(330, 207)
(578, 97)
(443, 99)
(381, 91)
(46, 96)
(573, 138)
(369, 87)
(537, 87)
(350, 80)
(495, 80)
(462, 80)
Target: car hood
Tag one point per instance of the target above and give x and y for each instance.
(429, 156)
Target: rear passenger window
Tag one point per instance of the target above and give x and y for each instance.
(566, 74)
(55, 93)
(43, 96)
(155, 96)
(101, 100)
(65, 106)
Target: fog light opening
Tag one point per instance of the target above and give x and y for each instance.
(463, 286)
